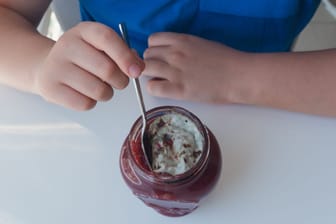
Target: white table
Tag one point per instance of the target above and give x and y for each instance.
(60, 166)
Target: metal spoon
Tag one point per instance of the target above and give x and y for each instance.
(136, 83)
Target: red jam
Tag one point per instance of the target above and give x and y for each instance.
(168, 194)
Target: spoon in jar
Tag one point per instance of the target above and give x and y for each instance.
(136, 83)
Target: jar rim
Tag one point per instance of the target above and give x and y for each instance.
(155, 177)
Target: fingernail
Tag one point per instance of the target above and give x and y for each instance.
(134, 70)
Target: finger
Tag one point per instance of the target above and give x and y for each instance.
(164, 88)
(88, 84)
(70, 98)
(159, 69)
(166, 39)
(104, 38)
(157, 52)
(98, 63)
(174, 56)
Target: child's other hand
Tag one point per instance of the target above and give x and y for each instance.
(190, 68)
(84, 66)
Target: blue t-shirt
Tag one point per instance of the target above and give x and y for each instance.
(254, 26)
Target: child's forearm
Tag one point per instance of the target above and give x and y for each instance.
(303, 82)
(22, 50)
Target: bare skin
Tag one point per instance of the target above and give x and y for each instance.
(190, 68)
(90, 60)
(77, 71)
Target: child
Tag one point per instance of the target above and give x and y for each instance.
(215, 51)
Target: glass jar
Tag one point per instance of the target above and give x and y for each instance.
(170, 195)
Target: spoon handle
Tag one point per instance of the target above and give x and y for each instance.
(136, 81)
(136, 84)
(144, 137)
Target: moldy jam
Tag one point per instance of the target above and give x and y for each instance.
(171, 194)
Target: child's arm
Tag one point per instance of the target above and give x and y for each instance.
(191, 68)
(300, 81)
(78, 70)
(22, 49)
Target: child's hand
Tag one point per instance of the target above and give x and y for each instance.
(190, 68)
(84, 66)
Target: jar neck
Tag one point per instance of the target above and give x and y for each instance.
(164, 179)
